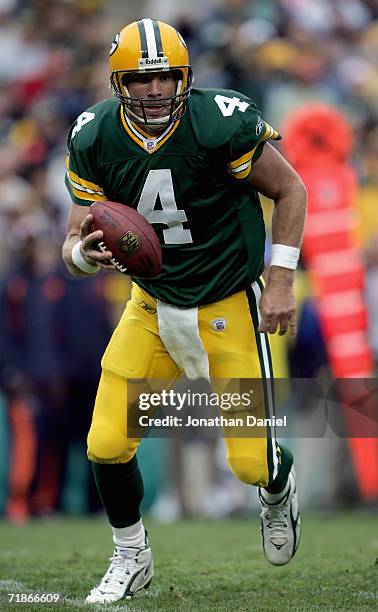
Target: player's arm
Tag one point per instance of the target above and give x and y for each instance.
(273, 177)
(80, 238)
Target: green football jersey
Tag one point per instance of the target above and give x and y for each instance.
(191, 183)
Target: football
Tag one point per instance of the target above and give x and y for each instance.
(131, 239)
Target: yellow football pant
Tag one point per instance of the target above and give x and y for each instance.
(136, 351)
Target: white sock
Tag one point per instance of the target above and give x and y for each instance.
(129, 537)
(273, 498)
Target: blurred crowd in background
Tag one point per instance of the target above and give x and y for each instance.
(53, 328)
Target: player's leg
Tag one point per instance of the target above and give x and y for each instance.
(134, 352)
(238, 351)
(120, 487)
(280, 517)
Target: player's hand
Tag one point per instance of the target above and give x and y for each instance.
(277, 304)
(89, 245)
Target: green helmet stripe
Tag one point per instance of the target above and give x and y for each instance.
(159, 45)
(143, 38)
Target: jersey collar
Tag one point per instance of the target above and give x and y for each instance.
(148, 143)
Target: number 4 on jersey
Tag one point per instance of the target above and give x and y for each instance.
(83, 119)
(228, 105)
(159, 185)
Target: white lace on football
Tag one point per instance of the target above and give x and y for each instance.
(116, 264)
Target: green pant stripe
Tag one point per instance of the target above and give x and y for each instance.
(261, 287)
(262, 342)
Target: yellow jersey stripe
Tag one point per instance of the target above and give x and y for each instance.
(247, 157)
(83, 195)
(167, 136)
(241, 160)
(129, 132)
(79, 187)
(139, 128)
(243, 173)
(270, 133)
(141, 140)
(82, 182)
(241, 167)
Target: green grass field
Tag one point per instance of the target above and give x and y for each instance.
(200, 565)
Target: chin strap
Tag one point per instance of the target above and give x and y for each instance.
(151, 123)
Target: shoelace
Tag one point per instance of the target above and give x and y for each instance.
(120, 568)
(276, 520)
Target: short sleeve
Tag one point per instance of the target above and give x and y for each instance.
(247, 144)
(81, 176)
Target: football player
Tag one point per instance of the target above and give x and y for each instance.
(192, 161)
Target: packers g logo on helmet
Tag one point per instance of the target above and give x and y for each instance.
(115, 44)
(147, 46)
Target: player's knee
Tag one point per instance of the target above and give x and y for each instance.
(105, 444)
(250, 470)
